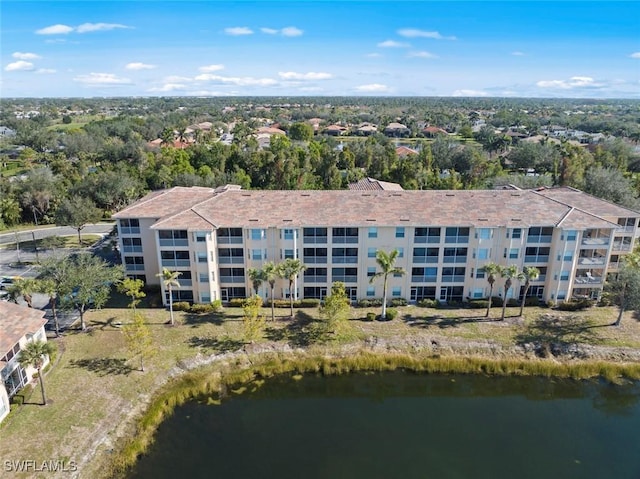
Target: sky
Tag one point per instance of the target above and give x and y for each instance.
(575, 49)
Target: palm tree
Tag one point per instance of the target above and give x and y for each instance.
(257, 277)
(169, 281)
(270, 271)
(509, 273)
(34, 355)
(386, 261)
(289, 269)
(24, 287)
(530, 273)
(491, 270)
(49, 287)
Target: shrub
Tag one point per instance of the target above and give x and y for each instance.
(236, 302)
(478, 303)
(428, 303)
(371, 316)
(369, 303)
(181, 306)
(496, 302)
(551, 303)
(512, 302)
(216, 305)
(309, 303)
(202, 308)
(395, 302)
(532, 301)
(575, 305)
(392, 313)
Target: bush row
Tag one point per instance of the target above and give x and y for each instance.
(212, 307)
(280, 303)
(376, 302)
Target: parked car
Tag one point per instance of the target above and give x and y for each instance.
(6, 281)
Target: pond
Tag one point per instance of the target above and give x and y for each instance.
(405, 425)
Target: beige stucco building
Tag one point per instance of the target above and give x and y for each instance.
(444, 238)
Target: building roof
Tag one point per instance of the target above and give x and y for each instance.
(371, 184)
(396, 126)
(405, 151)
(15, 322)
(232, 207)
(587, 202)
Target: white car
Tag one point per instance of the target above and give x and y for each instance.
(6, 281)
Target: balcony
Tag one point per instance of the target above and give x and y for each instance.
(423, 279)
(425, 259)
(175, 263)
(536, 259)
(185, 282)
(344, 259)
(232, 279)
(229, 239)
(231, 260)
(134, 267)
(539, 239)
(456, 278)
(315, 279)
(174, 242)
(456, 239)
(345, 278)
(345, 239)
(454, 259)
(621, 246)
(588, 279)
(426, 239)
(315, 240)
(132, 249)
(314, 260)
(592, 261)
(132, 230)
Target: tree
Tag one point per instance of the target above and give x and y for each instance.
(509, 273)
(132, 288)
(270, 271)
(289, 269)
(386, 261)
(625, 288)
(530, 273)
(138, 338)
(78, 212)
(491, 270)
(49, 287)
(169, 281)
(34, 354)
(257, 277)
(253, 321)
(54, 280)
(24, 287)
(335, 310)
(89, 281)
(610, 184)
(301, 132)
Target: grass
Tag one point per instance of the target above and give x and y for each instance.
(54, 242)
(104, 409)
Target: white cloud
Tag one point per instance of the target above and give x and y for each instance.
(573, 82)
(58, 29)
(269, 31)
(517, 54)
(291, 32)
(20, 65)
(421, 55)
(635, 55)
(373, 88)
(465, 92)
(167, 87)
(139, 66)
(305, 76)
(208, 93)
(211, 68)
(98, 27)
(177, 79)
(239, 81)
(101, 79)
(415, 33)
(45, 71)
(25, 56)
(393, 44)
(238, 31)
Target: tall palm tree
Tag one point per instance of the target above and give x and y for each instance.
(257, 277)
(34, 355)
(24, 287)
(509, 273)
(386, 261)
(270, 271)
(491, 270)
(289, 269)
(49, 287)
(530, 273)
(169, 281)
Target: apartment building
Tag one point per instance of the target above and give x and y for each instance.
(212, 236)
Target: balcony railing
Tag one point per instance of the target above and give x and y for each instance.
(315, 260)
(133, 230)
(315, 239)
(185, 282)
(423, 279)
(315, 279)
(539, 239)
(174, 242)
(599, 241)
(590, 261)
(456, 278)
(542, 277)
(426, 239)
(456, 239)
(345, 278)
(454, 259)
(620, 246)
(536, 258)
(345, 239)
(229, 239)
(588, 279)
(344, 259)
(175, 263)
(425, 259)
(134, 267)
(231, 260)
(132, 249)
(232, 279)
(627, 229)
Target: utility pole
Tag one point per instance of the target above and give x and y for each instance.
(17, 246)
(35, 247)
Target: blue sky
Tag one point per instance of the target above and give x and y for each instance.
(585, 49)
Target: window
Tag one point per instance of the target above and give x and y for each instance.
(203, 277)
(258, 234)
(539, 234)
(371, 252)
(184, 279)
(571, 235)
(132, 245)
(536, 254)
(232, 275)
(483, 233)
(314, 255)
(134, 263)
(453, 275)
(427, 235)
(423, 292)
(256, 254)
(315, 235)
(317, 292)
(344, 255)
(396, 291)
(315, 275)
(202, 256)
(568, 256)
(346, 275)
(400, 252)
(451, 293)
(230, 255)
(483, 253)
(173, 237)
(287, 253)
(562, 295)
(513, 253)
(371, 291)
(371, 271)
(287, 234)
(480, 274)
(229, 236)
(456, 235)
(564, 276)
(455, 255)
(131, 226)
(201, 236)
(425, 255)
(516, 233)
(399, 231)
(373, 232)
(345, 235)
(424, 275)
(477, 293)
(205, 298)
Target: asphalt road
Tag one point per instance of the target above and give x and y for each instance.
(22, 264)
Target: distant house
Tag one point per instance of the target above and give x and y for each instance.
(315, 124)
(18, 326)
(269, 131)
(367, 129)
(396, 130)
(335, 130)
(433, 131)
(371, 184)
(404, 151)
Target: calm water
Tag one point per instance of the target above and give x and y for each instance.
(397, 425)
